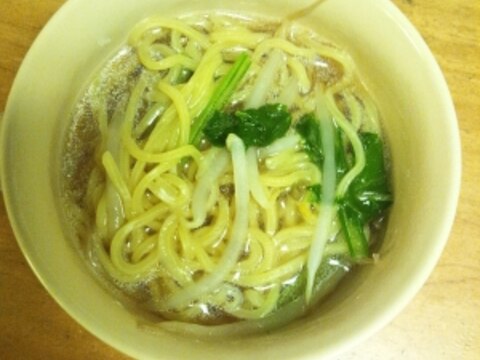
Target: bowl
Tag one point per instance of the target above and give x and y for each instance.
(419, 122)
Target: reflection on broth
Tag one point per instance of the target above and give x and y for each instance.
(224, 170)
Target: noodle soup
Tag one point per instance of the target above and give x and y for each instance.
(226, 171)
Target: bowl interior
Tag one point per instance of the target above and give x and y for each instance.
(418, 120)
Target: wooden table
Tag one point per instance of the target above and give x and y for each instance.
(443, 321)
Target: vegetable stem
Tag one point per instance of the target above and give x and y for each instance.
(352, 228)
(327, 211)
(222, 93)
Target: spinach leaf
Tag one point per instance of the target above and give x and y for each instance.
(314, 194)
(256, 127)
(369, 194)
(353, 230)
(262, 126)
(367, 197)
(218, 127)
(326, 278)
(294, 290)
(308, 128)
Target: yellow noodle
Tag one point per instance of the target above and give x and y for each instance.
(160, 23)
(211, 234)
(238, 36)
(171, 189)
(286, 46)
(168, 256)
(254, 257)
(191, 262)
(125, 278)
(270, 214)
(169, 62)
(181, 108)
(352, 135)
(193, 51)
(268, 304)
(298, 69)
(356, 115)
(288, 160)
(116, 178)
(276, 275)
(143, 248)
(261, 255)
(283, 179)
(176, 41)
(118, 244)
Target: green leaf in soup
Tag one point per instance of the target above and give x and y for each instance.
(352, 227)
(218, 127)
(309, 129)
(369, 192)
(367, 197)
(314, 194)
(326, 278)
(262, 126)
(256, 127)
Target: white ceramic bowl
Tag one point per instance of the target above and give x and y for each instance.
(419, 122)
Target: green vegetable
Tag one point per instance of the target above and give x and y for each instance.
(290, 292)
(314, 194)
(353, 230)
(256, 127)
(308, 127)
(369, 193)
(367, 197)
(222, 93)
(326, 278)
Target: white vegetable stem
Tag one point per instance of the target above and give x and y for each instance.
(289, 142)
(216, 166)
(327, 210)
(256, 188)
(265, 80)
(238, 236)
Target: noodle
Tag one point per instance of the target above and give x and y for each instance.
(210, 234)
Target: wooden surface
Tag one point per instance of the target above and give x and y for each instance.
(443, 321)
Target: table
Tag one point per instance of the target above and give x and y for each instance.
(442, 322)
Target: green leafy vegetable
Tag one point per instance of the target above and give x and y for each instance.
(308, 128)
(256, 127)
(367, 197)
(222, 93)
(353, 230)
(293, 290)
(325, 279)
(219, 126)
(314, 194)
(369, 193)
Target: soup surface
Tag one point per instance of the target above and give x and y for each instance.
(225, 169)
